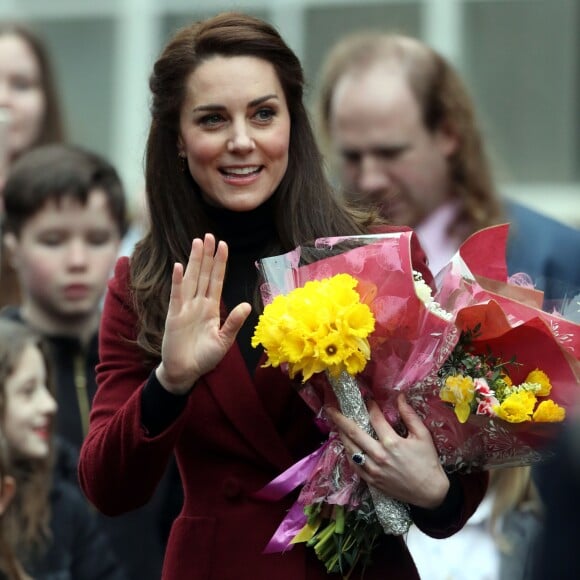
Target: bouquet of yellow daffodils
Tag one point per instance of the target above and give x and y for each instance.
(353, 316)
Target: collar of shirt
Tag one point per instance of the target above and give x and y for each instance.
(435, 240)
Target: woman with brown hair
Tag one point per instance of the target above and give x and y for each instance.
(232, 175)
(30, 114)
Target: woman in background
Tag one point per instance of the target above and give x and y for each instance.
(30, 114)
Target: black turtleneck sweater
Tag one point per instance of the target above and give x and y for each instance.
(249, 236)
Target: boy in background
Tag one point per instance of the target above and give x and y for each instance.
(65, 217)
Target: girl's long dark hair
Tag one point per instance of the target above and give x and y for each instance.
(27, 518)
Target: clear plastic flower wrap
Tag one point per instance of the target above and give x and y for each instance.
(433, 346)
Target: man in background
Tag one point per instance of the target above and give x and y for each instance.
(403, 131)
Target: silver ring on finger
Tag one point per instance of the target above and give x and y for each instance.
(359, 458)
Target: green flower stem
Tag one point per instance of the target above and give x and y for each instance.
(339, 519)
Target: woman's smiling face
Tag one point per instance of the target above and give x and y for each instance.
(235, 131)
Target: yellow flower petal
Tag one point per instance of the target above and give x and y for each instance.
(549, 412)
(462, 411)
(540, 377)
(517, 407)
(320, 326)
(307, 532)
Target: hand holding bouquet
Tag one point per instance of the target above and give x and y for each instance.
(323, 327)
(474, 361)
(320, 330)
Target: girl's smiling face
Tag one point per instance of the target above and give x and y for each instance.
(235, 131)
(30, 407)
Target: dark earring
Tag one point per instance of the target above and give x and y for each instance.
(182, 163)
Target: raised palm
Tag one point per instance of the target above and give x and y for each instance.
(195, 341)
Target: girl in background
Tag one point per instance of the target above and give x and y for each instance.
(10, 568)
(502, 535)
(53, 532)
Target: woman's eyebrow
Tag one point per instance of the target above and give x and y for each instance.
(216, 107)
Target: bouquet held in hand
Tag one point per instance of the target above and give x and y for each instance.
(485, 370)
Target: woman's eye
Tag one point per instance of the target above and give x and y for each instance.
(211, 120)
(24, 84)
(265, 114)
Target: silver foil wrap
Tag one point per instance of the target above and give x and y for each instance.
(393, 515)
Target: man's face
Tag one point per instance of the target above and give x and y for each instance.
(386, 155)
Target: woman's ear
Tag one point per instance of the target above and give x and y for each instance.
(7, 491)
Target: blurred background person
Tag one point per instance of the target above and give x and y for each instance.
(501, 536)
(30, 111)
(65, 217)
(558, 481)
(10, 568)
(402, 131)
(53, 530)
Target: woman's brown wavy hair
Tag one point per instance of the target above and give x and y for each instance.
(305, 206)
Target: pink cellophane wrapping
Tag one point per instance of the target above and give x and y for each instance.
(411, 343)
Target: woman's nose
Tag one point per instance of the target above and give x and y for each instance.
(240, 140)
(49, 404)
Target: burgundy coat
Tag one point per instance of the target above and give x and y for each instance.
(228, 445)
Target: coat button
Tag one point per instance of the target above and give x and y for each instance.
(232, 488)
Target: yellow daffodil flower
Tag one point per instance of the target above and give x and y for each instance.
(517, 407)
(321, 326)
(549, 412)
(540, 377)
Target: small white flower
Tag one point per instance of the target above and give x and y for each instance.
(423, 291)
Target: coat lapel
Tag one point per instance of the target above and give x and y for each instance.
(240, 401)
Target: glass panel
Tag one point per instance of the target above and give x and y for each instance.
(82, 52)
(325, 25)
(521, 61)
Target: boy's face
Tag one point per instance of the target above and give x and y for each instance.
(64, 256)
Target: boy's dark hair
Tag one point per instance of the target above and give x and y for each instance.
(53, 172)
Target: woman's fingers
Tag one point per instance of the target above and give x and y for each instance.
(176, 295)
(412, 421)
(205, 271)
(352, 436)
(207, 265)
(386, 435)
(216, 280)
(191, 275)
(234, 322)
